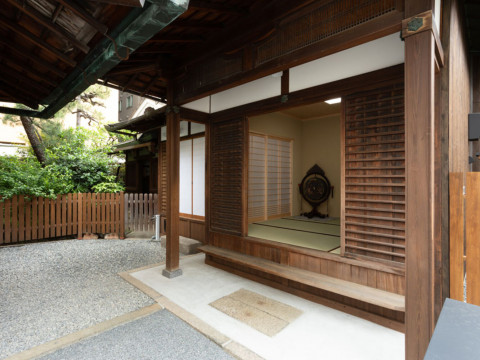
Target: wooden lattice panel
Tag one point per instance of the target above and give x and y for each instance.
(163, 177)
(374, 141)
(227, 176)
(325, 21)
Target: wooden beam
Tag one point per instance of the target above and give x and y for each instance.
(34, 59)
(16, 93)
(172, 268)
(130, 81)
(150, 84)
(13, 76)
(131, 70)
(197, 25)
(36, 40)
(176, 39)
(216, 7)
(45, 21)
(86, 16)
(26, 68)
(194, 115)
(420, 182)
(57, 12)
(131, 3)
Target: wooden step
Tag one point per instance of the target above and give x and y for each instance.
(348, 289)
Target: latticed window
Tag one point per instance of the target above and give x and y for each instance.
(269, 177)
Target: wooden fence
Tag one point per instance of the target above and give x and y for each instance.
(139, 212)
(23, 220)
(465, 237)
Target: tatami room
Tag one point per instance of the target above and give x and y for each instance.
(294, 176)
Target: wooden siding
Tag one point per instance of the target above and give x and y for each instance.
(227, 180)
(464, 230)
(374, 174)
(23, 220)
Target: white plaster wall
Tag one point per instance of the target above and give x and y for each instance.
(260, 89)
(202, 105)
(374, 55)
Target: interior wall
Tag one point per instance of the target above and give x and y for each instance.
(289, 127)
(316, 141)
(321, 146)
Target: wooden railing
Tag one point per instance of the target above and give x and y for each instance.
(23, 220)
(465, 237)
(139, 212)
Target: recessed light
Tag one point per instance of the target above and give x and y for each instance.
(334, 101)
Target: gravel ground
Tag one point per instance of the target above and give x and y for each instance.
(158, 336)
(51, 289)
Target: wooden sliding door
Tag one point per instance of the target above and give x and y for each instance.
(228, 176)
(373, 201)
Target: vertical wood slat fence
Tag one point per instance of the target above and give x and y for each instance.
(23, 220)
(465, 237)
(140, 210)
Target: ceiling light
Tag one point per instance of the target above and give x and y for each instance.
(334, 101)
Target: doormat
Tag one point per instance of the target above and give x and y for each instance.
(261, 313)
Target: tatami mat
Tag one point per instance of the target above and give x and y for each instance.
(329, 220)
(293, 237)
(310, 226)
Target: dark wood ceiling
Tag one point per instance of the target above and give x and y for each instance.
(42, 41)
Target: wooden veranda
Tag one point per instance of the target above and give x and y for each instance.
(219, 62)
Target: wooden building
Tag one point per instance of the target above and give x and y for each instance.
(406, 72)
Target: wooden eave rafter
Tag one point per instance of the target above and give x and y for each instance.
(49, 24)
(36, 40)
(217, 7)
(85, 15)
(132, 3)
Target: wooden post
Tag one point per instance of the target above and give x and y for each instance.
(173, 190)
(420, 50)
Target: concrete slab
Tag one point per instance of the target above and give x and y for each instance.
(320, 332)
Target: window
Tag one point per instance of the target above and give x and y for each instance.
(269, 177)
(120, 106)
(129, 101)
(192, 177)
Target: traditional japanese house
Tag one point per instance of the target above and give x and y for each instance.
(257, 74)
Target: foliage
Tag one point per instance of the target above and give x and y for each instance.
(77, 161)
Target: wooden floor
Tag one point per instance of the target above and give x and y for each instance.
(318, 234)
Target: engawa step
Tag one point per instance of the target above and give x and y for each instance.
(349, 289)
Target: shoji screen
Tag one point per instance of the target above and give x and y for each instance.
(257, 191)
(198, 173)
(192, 176)
(186, 176)
(270, 177)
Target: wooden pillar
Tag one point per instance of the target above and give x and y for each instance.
(420, 131)
(172, 268)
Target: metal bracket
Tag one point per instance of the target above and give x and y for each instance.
(415, 24)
